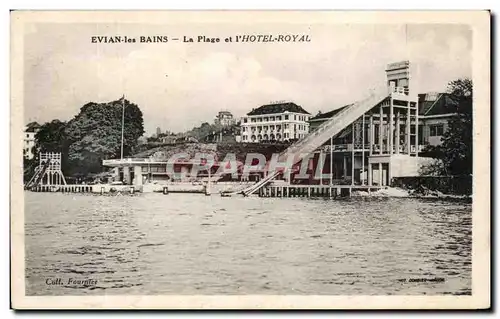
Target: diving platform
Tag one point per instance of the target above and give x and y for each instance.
(376, 138)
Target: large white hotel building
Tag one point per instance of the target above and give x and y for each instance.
(280, 121)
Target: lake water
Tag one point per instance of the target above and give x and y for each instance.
(195, 244)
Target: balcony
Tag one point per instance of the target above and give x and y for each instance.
(401, 93)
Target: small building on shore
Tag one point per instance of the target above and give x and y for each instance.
(225, 118)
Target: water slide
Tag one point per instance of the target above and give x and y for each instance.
(311, 142)
(38, 175)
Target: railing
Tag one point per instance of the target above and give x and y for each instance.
(128, 161)
(400, 90)
(346, 147)
(375, 148)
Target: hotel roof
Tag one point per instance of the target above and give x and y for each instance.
(278, 108)
(436, 104)
(32, 127)
(328, 114)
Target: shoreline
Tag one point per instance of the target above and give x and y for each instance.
(397, 192)
(217, 189)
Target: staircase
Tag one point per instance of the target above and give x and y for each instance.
(38, 175)
(311, 142)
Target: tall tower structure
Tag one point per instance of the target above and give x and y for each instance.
(398, 77)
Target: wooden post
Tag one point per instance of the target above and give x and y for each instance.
(398, 132)
(362, 173)
(380, 130)
(320, 161)
(408, 123)
(372, 134)
(416, 131)
(391, 127)
(331, 160)
(352, 156)
(380, 174)
(370, 174)
(345, 167)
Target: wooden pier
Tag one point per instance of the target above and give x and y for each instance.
(79, 188)
(310, 191)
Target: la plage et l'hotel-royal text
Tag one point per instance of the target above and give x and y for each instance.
(203, 39)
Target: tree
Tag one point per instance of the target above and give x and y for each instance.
(204, 130)
(455, 151)
(51, 137)
(95, 134)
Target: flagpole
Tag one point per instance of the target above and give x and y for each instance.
(123, 122)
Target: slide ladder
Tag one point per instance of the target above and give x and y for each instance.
(314, 140)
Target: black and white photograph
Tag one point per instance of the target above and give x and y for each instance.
(250, 159)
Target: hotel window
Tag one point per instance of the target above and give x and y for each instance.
(266, 119)
(253, 120)
(259, 119)
(158, 169)
(278, 118)
(244, 120)
(272, 118)
(286, 117)
(436, 130)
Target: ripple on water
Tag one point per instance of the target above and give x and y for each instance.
(155, 244)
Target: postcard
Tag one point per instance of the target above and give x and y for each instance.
(250, 160)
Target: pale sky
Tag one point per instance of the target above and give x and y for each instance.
(180, 85)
